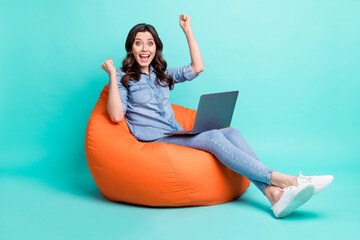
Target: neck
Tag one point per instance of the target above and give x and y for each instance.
(146, 70)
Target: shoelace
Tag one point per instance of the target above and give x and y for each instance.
(302, 178)
(305, 177)
(288, 188)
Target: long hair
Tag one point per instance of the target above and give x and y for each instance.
(132, 69)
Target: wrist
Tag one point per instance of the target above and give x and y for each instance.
(187, 29)
(112, 75)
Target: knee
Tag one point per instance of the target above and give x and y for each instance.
(214, 135)
(232, 131)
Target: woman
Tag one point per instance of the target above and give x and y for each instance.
(140, 92)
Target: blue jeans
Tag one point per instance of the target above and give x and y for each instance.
(231, 149)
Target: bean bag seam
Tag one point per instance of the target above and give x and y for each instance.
(167, 157)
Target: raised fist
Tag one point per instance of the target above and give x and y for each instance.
(109, 67)
(184, 21)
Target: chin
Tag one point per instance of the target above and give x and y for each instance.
(142, 65)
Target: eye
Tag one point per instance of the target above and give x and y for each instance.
(138, 43)
(151, 43)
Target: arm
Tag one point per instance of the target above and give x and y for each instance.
(197, 64)
(114, 104)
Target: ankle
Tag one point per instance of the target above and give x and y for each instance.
(273, 193)
(282, 180)
(292, 181)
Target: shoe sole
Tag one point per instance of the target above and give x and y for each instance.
(302, 197)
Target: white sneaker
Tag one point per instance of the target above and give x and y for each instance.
(319, 182)
(292, 198)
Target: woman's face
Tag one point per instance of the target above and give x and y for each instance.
(144, 49)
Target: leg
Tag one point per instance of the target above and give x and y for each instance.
(234, 136)
(277, 179)
(236, 159)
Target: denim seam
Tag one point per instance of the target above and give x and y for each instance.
(269, 176)
(212, 140)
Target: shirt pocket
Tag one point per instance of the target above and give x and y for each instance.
(139, 93)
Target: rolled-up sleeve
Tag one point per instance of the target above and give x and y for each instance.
(122, 90)
(181, 74)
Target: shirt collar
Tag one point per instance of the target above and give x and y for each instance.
(151, 70)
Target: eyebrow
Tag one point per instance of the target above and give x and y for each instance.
(141, 39)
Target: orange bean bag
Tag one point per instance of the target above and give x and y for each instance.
(155, 174)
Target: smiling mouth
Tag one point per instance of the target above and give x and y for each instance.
(144, 57)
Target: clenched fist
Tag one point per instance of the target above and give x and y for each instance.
(109, 67)
(184, 21)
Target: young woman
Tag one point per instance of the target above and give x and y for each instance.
(140, 92)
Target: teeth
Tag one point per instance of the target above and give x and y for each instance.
(144, 55)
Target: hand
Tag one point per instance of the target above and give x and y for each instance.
(108, 66)
(184, 21)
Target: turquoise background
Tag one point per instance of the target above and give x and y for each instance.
(295, 64)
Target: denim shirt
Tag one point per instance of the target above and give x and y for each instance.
(146, 104)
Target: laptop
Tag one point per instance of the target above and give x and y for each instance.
(214, 111)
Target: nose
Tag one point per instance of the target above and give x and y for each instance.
(144, 47)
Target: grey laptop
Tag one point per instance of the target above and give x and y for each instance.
(214, 111)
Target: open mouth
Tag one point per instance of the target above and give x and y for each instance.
(144, 57)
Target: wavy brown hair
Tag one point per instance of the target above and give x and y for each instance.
(131, 68)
